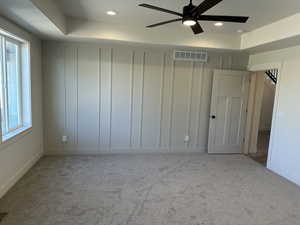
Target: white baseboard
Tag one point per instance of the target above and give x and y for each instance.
(19, 174)
(57, 151)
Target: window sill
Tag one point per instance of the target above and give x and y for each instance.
(14, 136)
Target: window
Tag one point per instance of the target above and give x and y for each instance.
(14, 87)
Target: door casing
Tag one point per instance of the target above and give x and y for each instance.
(264, 67)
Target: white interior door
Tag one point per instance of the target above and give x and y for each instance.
(228, 111)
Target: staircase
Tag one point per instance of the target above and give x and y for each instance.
(273, 75)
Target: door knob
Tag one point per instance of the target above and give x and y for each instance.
(213, 117)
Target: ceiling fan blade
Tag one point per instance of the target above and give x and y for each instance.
(234, 19)
(165, 22)
(197, 29)
(204, 6)
(160, 9)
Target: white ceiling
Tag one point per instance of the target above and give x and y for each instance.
(261, 12)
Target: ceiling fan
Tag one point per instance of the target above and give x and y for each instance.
(192, 14)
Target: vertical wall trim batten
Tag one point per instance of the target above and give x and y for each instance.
(100, 102)
(201, 82)
(65, 91)
(74, 120)
(230, 62)
(162, 96)
(142, 98)
(243, 109)
(110, 97)
(221, 64)
(171, 105)
(131, 97)
(77, 97)
(189, 112)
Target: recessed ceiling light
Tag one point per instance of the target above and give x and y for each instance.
(218, 24)
(240, 31)
(111, 13)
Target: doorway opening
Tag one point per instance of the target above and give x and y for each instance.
(260, 114)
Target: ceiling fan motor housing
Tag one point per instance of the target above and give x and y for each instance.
(187, 13)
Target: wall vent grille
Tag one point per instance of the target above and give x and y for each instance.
(190, 56)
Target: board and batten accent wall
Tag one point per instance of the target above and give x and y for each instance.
(119, 99)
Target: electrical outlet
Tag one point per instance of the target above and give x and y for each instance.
(186, 139)
(64, 139)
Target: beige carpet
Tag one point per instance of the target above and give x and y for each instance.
(196, 189)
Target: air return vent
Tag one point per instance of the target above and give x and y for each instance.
(190, 56)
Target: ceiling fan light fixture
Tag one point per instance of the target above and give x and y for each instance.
(191, 15)
(189, 22)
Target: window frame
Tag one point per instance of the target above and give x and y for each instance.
(5, 83)
(24, 86)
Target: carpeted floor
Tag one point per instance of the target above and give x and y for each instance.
(196, 189)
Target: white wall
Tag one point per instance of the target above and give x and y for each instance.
(19, 154)
(285, 152)
(110, 99)
(267, 105)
